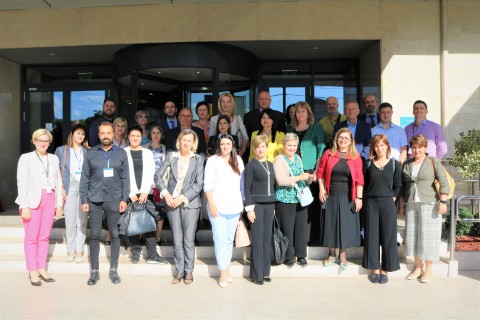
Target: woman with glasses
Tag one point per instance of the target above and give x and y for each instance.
(141, 118)
(71, 158)
(39, 183)
(340, 176)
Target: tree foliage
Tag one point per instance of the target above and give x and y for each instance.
(467, 154)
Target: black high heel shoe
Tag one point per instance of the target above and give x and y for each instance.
(46, 279)
(34, 283)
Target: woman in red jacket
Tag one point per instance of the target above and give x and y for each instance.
(340, 175)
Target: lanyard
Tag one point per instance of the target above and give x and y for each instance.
(47, 169)
(79, 160)
(107, 157)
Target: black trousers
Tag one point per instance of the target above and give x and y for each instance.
(293, 222)
(380, 231)
(261, 231)
(150, 242)
(95, 215)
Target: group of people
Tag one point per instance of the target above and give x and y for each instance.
(352, 166)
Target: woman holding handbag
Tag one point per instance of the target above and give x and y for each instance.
(340, 177)
(71, 157)
(291, 215)
(423, 207)
(223, 190)
(183, 171)
(259, 205)
(141, 167)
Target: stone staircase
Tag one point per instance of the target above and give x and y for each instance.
(12, 257)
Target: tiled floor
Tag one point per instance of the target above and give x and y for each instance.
(146, 297)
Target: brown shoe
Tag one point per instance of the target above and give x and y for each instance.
(188, 278)
(177, 278)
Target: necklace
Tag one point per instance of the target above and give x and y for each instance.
(268, 174)
(381, 166)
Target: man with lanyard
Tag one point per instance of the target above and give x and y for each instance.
(370, 116)
(170, 122)
(104, 188)
(437, 144)
(395, 134)
(107, 116)
(329, 121)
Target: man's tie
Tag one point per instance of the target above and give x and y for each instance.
(172, 124)
(372, 121)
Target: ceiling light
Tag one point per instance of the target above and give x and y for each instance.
(51, 54)
(315, 48)
(150, 94)
(198, 72)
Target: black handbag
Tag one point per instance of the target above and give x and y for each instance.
(141, 221)
(279, 243)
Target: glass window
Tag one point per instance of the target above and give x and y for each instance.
(85, 106)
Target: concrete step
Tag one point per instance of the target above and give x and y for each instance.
(207, 268)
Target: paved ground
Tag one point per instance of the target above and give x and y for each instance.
(143, 297)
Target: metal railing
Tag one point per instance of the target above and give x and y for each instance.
(453, 220)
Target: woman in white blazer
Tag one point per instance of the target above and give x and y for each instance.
(141, 167)
(39, 198)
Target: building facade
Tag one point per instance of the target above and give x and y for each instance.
(53, 58)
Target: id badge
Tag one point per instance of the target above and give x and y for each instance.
(108, 172)
(78, 174)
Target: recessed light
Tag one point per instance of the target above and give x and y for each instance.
(315, 48)
(198, 72)
(150, 94)
(51, 54)
(159, 71)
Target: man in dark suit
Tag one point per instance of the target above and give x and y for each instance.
(170, 121)
(370, 116)
(360, 129)
(185, 119)
(251, 120)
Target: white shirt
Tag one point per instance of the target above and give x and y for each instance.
(226, 185)
(76, 163)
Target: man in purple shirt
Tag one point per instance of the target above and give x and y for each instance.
(437, 145)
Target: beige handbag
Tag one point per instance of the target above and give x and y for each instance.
(242, 237)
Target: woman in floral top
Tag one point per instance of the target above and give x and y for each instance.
(292, 217)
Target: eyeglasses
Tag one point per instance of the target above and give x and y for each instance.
(43, 141)
(343, 138)
(142, 116)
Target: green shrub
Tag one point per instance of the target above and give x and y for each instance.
(467, 154)
(463, 228)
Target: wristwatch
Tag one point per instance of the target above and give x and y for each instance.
(443, 201)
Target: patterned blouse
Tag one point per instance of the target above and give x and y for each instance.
(287, 194)
(158, 154)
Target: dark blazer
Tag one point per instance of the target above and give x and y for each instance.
(192, 184)
(363, 135)
(251, 120)
(93, 130)
(165, 126)
(363, 117)
(171, 139)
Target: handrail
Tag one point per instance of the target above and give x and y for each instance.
(453, 220)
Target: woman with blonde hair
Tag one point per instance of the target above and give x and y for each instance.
(40, 197)
(71, 158)
(227, 106)
(120, 132)
(181, 192)
(141, 118)
(340, 175)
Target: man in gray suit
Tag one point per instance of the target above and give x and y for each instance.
(104, 188)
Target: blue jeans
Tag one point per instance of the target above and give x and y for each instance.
(223, 229)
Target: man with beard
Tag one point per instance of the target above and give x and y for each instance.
(370, 116)
(104, 189)
(329, 121)
(107, 116)
(170, 122)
